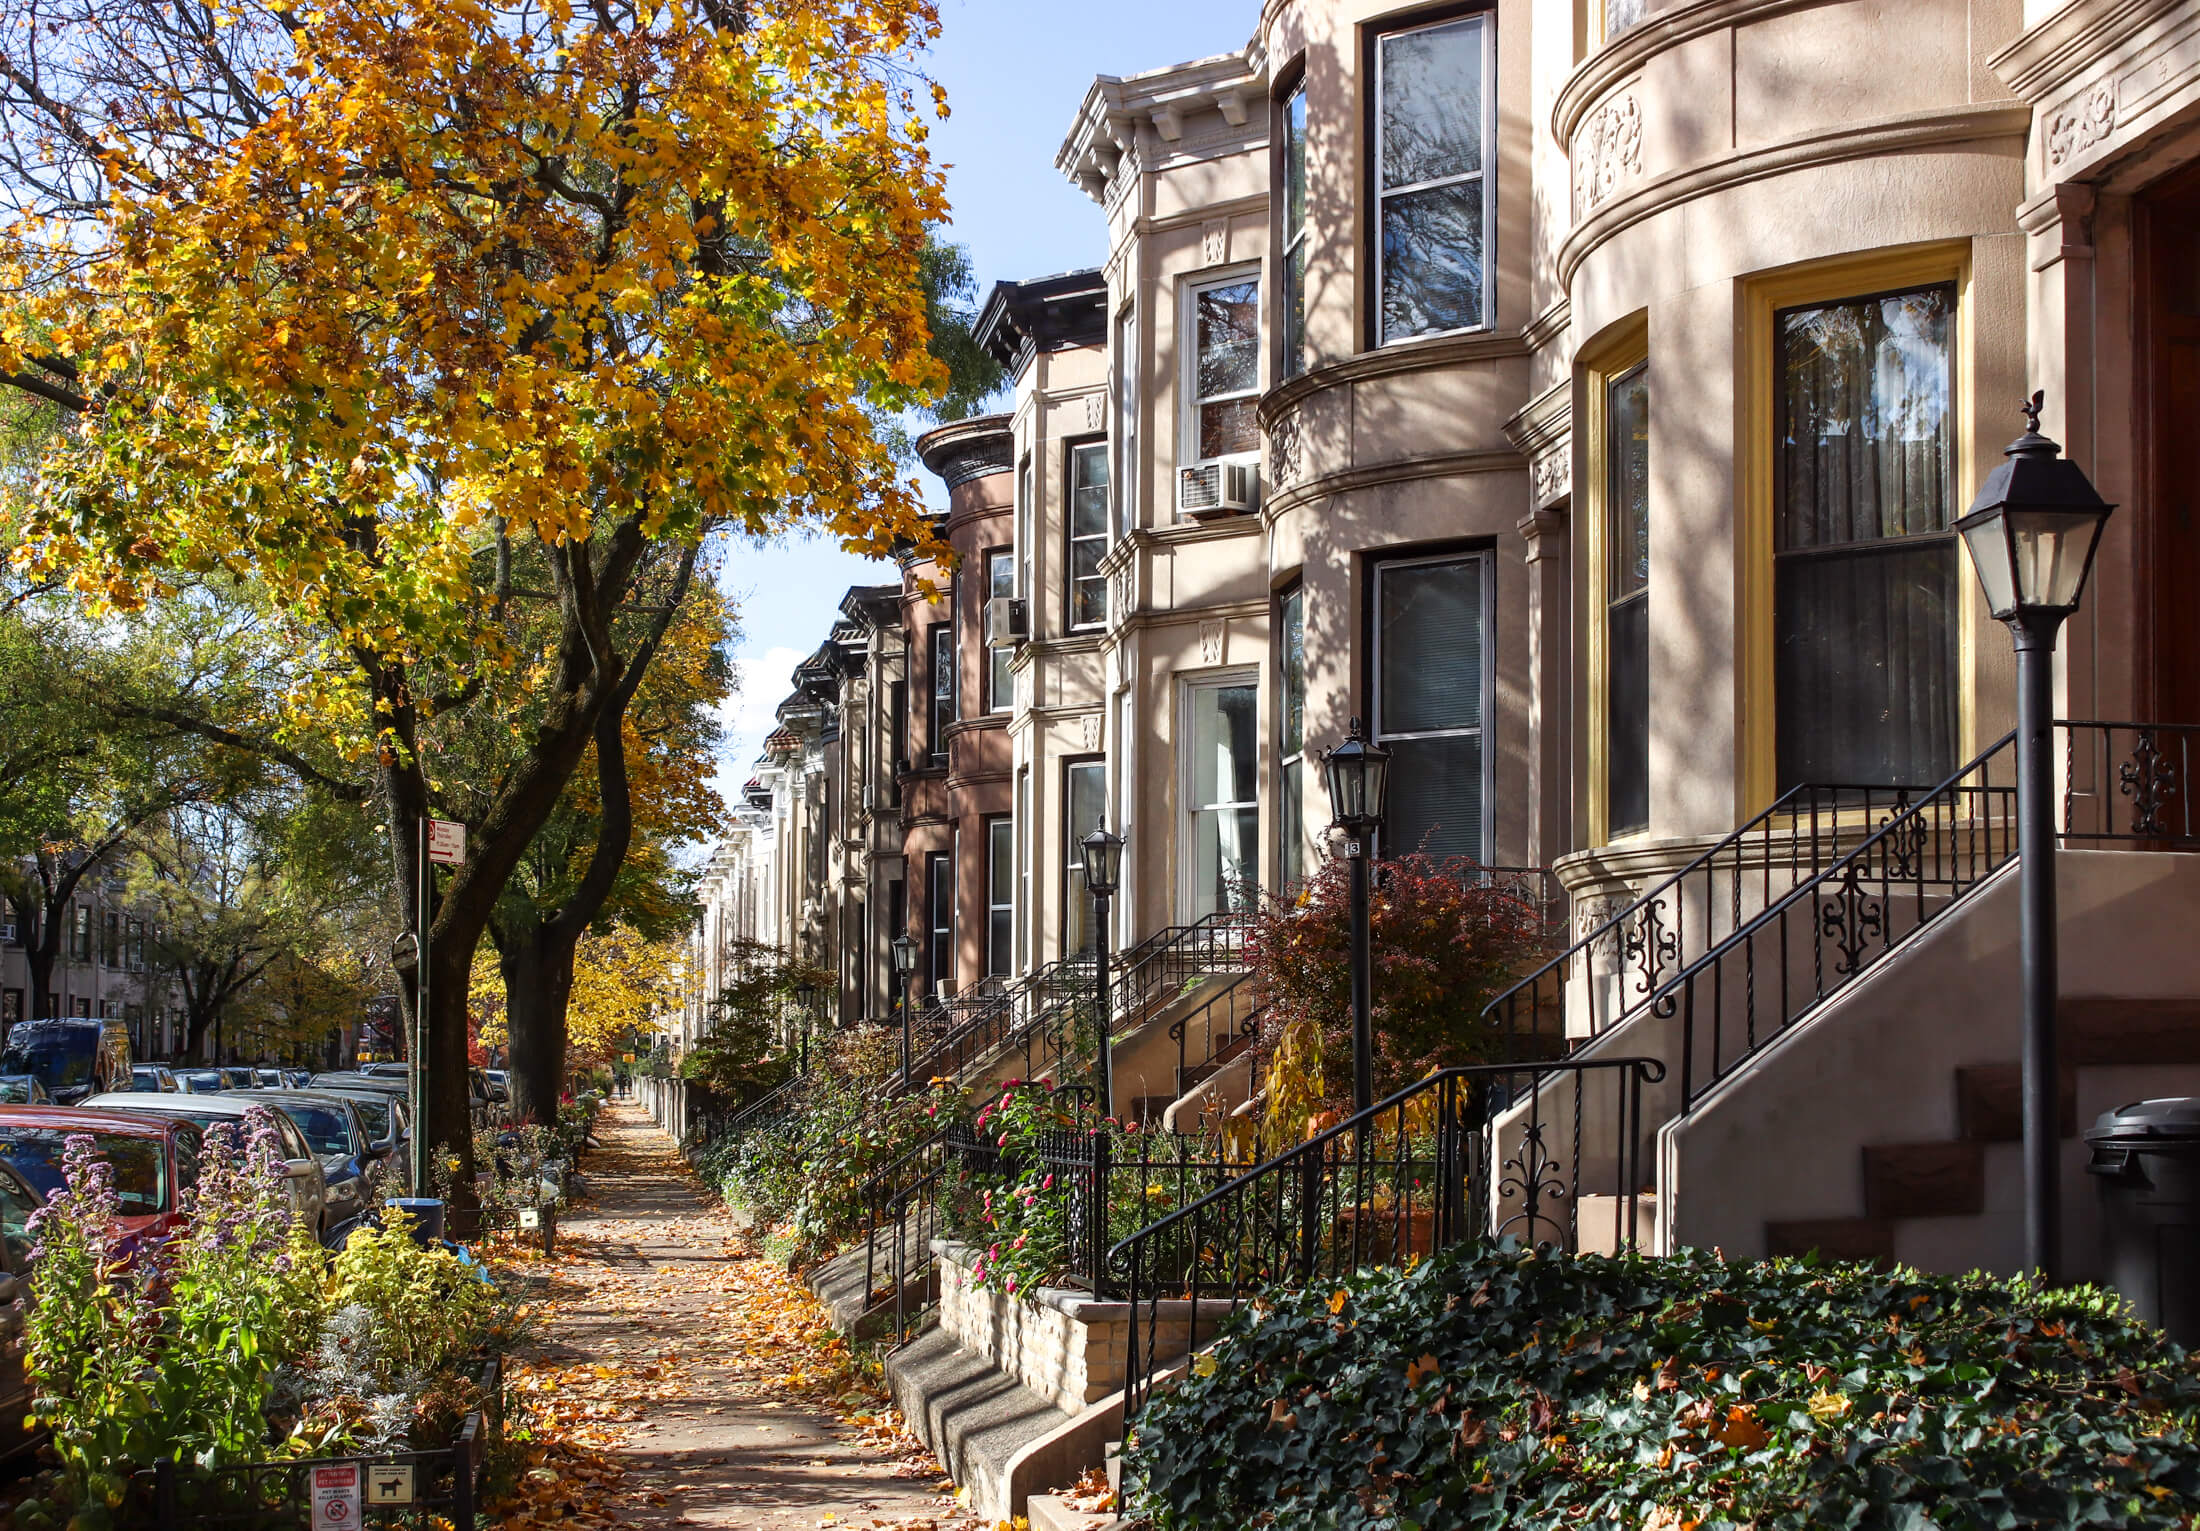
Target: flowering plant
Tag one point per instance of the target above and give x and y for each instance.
(1019, 1215)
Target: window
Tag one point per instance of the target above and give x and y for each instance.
(1623, 15)
(1627, 600)
(897, 926)
(1085, 804)
(137, 945)
(898, 704)
(939, 909)
(1224, 386)
(1088, 534)
(1222, 799)
(1292, 262)
(1000, 683)
(1023, 868)
(1000, 896)
(1865, 566)
(1026, 509)
(1432, 111)
(1126, 422)
(943, 687)
(110, 940)
(1431, 673)
(80, 932)
(1291, 745)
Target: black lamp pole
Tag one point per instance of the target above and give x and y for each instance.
(904, 948)
(1357, 774)
(2032, 532)
(1103, 865)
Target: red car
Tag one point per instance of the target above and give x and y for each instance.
(155, 1159)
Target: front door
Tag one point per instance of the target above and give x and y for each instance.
(2168, 228)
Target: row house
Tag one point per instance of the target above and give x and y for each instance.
(107, 966)
(1582, 394)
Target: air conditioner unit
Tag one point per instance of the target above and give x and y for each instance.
(1006, 621)
(1217, 489)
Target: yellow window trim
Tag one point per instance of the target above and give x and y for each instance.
(1756, 767)
(1622, 347)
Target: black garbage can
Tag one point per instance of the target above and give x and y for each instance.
(2146, 1161)
(427, 1216)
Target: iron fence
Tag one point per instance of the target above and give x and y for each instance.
(1552, 1153)
(2130, 782)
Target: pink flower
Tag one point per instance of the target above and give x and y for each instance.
(1004, 1140)
(1047, 1184)
(931, 1111)
(1012, 1283)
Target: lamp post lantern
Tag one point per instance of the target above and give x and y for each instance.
(904, 948)
(1358, 775)
(2032, 533)
(1103, 867)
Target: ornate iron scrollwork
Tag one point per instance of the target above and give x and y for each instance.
(1904, 838)
(1646, 944)
(1852, 920)
(1534, 1175)
(2149, 780)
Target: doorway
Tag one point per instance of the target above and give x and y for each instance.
(2167, 309)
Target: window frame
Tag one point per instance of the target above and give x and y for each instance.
(1292, 845)
(1125, 438)
(939, 934)
(940, 641)
(1189, 688)
(999, 656)
(1373, 37)
(1000, 903)
(1189, 399)
(1072, 451)
(1291, 357)
(1486, 557)
(1604, 363)
(1073, 853)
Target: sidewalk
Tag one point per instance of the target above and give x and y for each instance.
(699, 1367)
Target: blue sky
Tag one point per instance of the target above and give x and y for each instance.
(1016, 72)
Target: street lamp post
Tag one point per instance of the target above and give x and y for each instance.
(1103, 867)
(904, 947)
(2032, 532)
(1358, 776)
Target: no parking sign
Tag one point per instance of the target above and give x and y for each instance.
(336, 1497)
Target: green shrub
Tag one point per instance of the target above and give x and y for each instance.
(1509, 1388)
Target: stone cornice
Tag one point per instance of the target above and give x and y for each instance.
(1388, 361)
(1183, 616)
(1176, 534)
(968, 449)
(1609, 65)
(1549, 325)
(1905, 133)
(1547, 420)
(2041, 61)
(1118, 111)
(1404, 470)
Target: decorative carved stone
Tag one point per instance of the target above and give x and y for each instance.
(1214, 242)
(1096, 409)
(1607, 151)
(1089, 726)
(1284, 446)
(1210, 642)
(1552, 475)
(2078, 125)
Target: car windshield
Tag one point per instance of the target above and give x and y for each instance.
(141, 1172)
(64, 1057)
(200, 1081)
(15, 1090)
(324, 1126)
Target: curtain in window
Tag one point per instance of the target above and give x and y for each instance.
(1864, 591)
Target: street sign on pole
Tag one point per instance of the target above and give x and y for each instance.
(336, 1497)
(446, 843)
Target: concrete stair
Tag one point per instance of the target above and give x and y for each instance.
(989, 1431)
(1908, 1182)
(869, 1314)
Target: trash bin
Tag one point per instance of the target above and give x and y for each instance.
(426, 1213)
(2146, 1161)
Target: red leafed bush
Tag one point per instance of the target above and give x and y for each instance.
(1444, 941)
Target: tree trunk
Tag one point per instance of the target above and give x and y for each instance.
(538, 985)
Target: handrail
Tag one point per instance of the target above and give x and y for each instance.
(1475, 1152)
(1931, 852)
(1631, 950)
(2154, 779)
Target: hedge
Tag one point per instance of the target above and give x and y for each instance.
(1507, 1387)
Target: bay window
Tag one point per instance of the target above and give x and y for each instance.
(943, 687)
(1865, 569)
(1000, 682)
(1223, 362)
(1221, 796)
(1432, 102)
(1084, 802)
(1291, 744)
(1291, 264)
(1432, 652)
(1627, 600)
(1088, 534)
(1126, 422)
(1000, 896)
(939, 914)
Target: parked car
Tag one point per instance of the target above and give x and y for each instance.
(72, 1056)
(200, 1081)
(385, 1070)
(236, 1078)
(23, 1090)
(17, 1203)
(388, 1118)
(153, 1078)
(269, 1079)
(308, 1183)
(155, 1160)
(295, 1079)
(340, 1140)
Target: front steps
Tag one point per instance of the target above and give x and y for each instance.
(1917, 1196)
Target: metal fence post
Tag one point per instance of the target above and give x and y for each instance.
(462, 1477)
(164, 1496)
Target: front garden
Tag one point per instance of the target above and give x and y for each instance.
(1521, 1389)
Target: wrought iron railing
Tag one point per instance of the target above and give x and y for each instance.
(1822, 933)
(978, 1030)
(2130, 781)
(902, 1211)
(1143, 1176)
(1221, 1032)
(1551, 1153)
(1622, 957)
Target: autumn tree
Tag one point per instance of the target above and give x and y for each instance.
(356, 303)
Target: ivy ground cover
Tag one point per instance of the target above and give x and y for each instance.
(1507, 1387)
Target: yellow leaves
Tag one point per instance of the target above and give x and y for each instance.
(1416, 1371)
(1829, 1407)
(1204, 1364)
(1338, 1299)
(1741, 1429)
